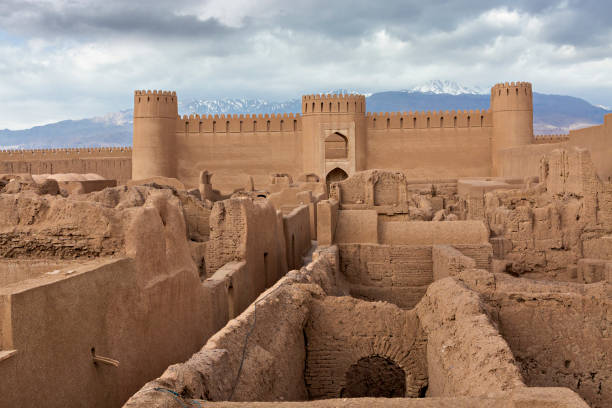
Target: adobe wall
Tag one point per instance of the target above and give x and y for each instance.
(455, 323)
(256, 356)
(127, 303)
(430, 144)
(598, 140)
(447, 261)
(431, 233)
(327, 220)
(243, 228)
(524, 161)
(233, 147)
(449, 343)
(296, 228)
(396, 274)
(559, 334)
(145, 302)
(546, 228)
(338, 339)
(110, 163)
(399, 274)
(529, 397)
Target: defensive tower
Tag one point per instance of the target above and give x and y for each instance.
(155, 115)
(334, 134)
(512, 110)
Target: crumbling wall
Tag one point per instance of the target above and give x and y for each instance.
(447, 261)
(126, 301)
(561, 335)
(456, 324)
(545, 229)
(296, 229)
(256, 357)
(394, 273)
(394, 197)
(111, 163)
(342, 331)
(240, 230)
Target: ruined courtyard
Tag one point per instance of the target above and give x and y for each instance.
(362, 260)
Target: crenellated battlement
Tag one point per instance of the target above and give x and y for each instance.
(337, 103)
(512, 96)
(149, 104)
(504, 85)
(65, 153)
(552, 138)
(237, 123)
(154, 93)
(425, 120)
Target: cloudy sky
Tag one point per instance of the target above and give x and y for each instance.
(63, 59)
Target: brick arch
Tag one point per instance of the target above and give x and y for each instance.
(337, 174)
(336, 341)
(336, 146)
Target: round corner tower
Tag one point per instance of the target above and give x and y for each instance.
(155, 114)
(334, 134)
(512, 111)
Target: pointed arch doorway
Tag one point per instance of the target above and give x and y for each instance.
(336, 174)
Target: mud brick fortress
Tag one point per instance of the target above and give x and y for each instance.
(335, 257)
(335, 136)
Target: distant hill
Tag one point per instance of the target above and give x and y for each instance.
(552, 114)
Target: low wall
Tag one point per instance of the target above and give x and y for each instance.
(357, 226)
(394, 273)
(559, 334)
(447, 261)
(257, 356)
(327, 220)
(432, 233)
(455, 323)
(526, 397)
(145, 306)
(112, 168)
(57, 321)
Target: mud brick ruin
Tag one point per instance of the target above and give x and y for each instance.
(333, 258)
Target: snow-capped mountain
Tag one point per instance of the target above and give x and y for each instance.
(237, 105)
(437, 86)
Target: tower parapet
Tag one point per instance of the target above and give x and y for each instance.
(342, 103)
(512, 111)
(155, 115)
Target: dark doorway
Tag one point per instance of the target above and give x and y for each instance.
(375, 376)
(336, 174)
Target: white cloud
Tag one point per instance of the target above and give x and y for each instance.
(67, 59)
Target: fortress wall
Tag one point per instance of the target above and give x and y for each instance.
(228, 147)
(598, 139)
(426, 145)
(524, 161)
(110, 163)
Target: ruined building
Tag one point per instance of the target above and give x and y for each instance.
(332, 258)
